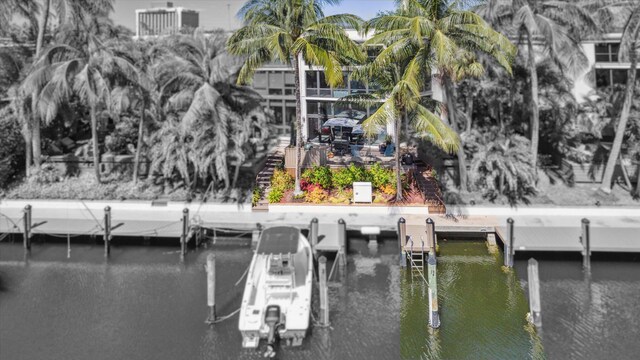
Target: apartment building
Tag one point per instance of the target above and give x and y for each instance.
(165, 20)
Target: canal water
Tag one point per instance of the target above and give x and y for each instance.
(589, 317)
(482, 309)
(143, 303)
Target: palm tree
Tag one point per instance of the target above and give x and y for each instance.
(555, 25)
(629, 48)
(84, 71)
(27, 9)
(437, 35)
(289, 31)
(201, 77)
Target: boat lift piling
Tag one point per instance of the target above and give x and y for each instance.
(185, 230)
(402, 239)
(431, 235)
(107, 231)
(342, 242)
(324, 292)
(508, 246)
(313, 235)
(534, 293)
(211, 287)
(434, 316)
(27, 227)
(585, 239)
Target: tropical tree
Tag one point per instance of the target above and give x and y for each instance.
(10, 9)
(290, 31)
(504, 167)
(629, 51)
(436, 35)
(556, 26)
(83, 71)
(200, 79)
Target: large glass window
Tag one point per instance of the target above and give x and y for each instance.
(613, 78)
(607, 52)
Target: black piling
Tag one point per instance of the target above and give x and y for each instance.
(185, 231)
(313, 235)
(431, 235)
(27, 227)
(107, 231)
(586, 243)
(402, 239)
(342, 242)
(508, 245)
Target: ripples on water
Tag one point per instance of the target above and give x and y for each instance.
(482, 310)
(145, 304)
(589, 317)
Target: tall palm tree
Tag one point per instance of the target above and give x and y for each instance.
(554, 25)
(9, 9)
(290, 31)
(629, 50)
(437, 35)
(84, 71)
(201, 78)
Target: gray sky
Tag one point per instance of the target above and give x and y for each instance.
(222, 13)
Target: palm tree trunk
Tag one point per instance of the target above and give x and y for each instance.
(26, 134)
(296, 66)
(622, 125)
(136, 162)
(451, 115)
(42, 27)
(396, 136)
(469, 112)
(94, 139)
(535, 116)
(236, 173)
(637, 193)
(35, 131)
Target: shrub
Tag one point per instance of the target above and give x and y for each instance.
(256, 195)
(358, 173)
(380, 176)
(282, 180)
(342, 197)
(343, 178)
(316, 195)
(275, 195)
(46, 174)
(11, 150)
(319, 175)
(388, 189)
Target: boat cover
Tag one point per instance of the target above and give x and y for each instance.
(279, 240)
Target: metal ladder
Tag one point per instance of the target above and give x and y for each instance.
(417, 260)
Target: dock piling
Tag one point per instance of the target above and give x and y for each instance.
(27, 227)
(342, 241)
(211, 287)
(324, 292)
(508, 246)
(534, 292)
(107, 231)
(185, 231)
(586, 243)
(313, 235)
(434, 316)
(431, 235)
(402, 239)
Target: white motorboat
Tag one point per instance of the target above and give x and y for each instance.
(277, 294)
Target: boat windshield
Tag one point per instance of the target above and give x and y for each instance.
(279, 240)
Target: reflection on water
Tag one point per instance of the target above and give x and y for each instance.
(589, 317)
(145, 304)
(482, 310)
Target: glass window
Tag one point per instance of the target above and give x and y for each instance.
(619, 77)
(614, 49)
(602, 52)
(313, 108)
(288, 91)
(276, 91)
(603, 78)
(312, 79)
(260, 80)
(289, 78)
(358, 87)
(276, 80)
(277, 113)
(324, 109)
(323, 81)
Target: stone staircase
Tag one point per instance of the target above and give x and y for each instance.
(430, 188)
(263, 179)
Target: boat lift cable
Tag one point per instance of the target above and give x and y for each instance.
(223, 318)
(91, 213)
(243, 275)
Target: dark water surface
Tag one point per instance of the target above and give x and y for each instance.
(589, 317)
(145, 304)
(482, 309)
